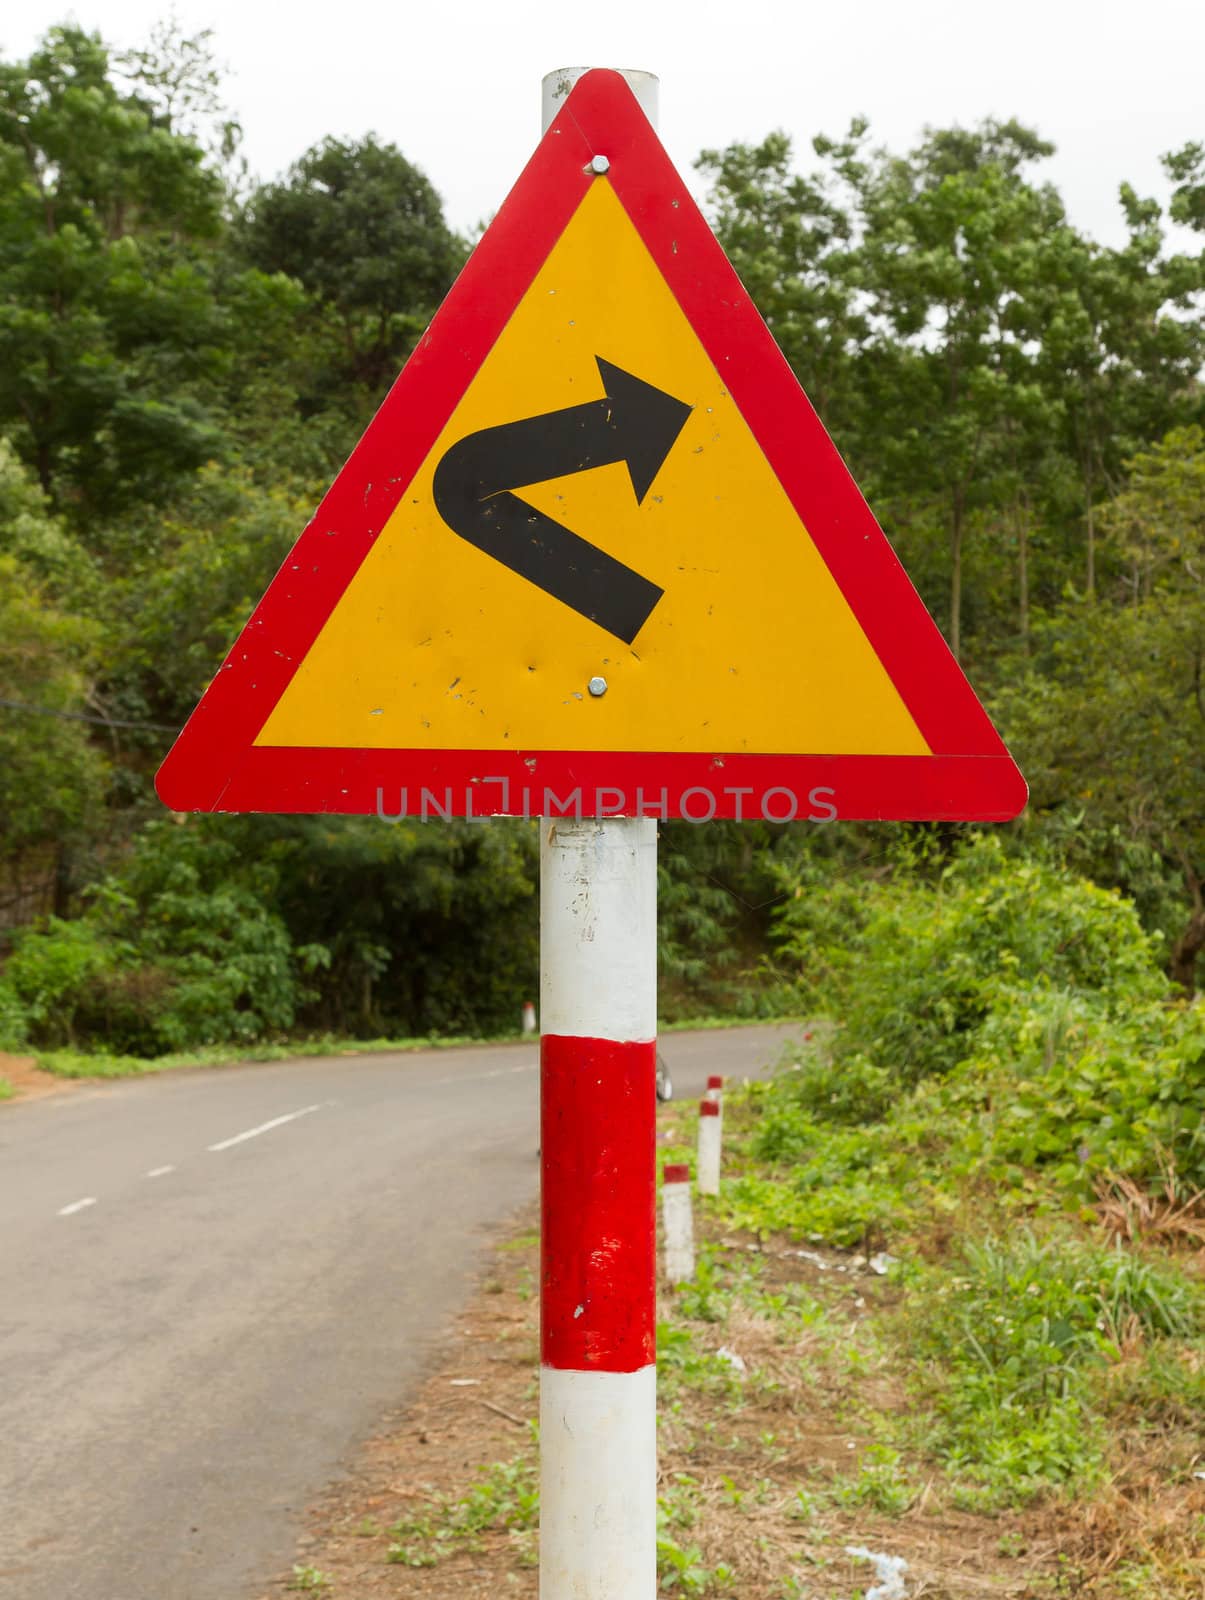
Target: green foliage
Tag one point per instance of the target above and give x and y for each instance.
(167, 958)
(1108, 719)
(716, 887)
(1019, 1351)
(50, 772)
(109, 326)
(930, 965)
(503, 1498)
(683, 1366)
(363, 230)
(680, 1570)
(880, 1484)
(14, 1019)
(185, 359)
(1015, 1331)
(1005, 1021)
(308, 1580)
(193, 573)
(430, 927)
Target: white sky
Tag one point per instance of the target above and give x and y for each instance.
(455, 83)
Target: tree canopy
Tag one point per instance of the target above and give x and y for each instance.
(186, 356)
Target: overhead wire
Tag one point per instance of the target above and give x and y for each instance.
(83, 716)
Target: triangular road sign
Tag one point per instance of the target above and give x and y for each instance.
(596, 553)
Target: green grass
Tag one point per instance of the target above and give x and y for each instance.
(81, 1064)
(707, 1023)
(1015, 1343)
(85, 1064)
(308, 1580)
(1012, 1337)
(504, 1498)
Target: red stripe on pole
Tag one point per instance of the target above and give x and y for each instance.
(715, 1082)
(709, 1108)
(676, 1173)
(598, 1203)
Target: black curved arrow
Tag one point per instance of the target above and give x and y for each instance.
(633, 422)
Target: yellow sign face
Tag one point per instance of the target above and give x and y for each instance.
(749, 646)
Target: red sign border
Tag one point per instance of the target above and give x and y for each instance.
(215, 764)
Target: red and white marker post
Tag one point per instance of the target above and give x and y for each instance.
(711, 1136)
(679, 1224)
(598, 1053)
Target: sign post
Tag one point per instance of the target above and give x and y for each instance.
(595, 562)
(598, 1012)
(598, 1191)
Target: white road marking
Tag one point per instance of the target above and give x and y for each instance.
(160, 1172)
(264, 1127)
(479, 1077)
(77, 1205)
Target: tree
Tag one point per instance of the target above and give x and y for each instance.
(363, 230)
(108, 325)
(788, 237)
(950, 247)
(50, 774)
(1120, 350)
(1109, 724)
(1186, 168)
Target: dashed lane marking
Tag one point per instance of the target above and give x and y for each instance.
(264, 1127)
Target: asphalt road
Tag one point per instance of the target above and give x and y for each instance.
(214, 1284)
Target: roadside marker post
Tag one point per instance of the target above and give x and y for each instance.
(679, 1224)
(715, 1087)
(595, 562)
(711, 1134)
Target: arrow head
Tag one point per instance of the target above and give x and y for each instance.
(646, 422)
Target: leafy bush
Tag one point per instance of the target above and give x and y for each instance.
(14, 1019)
(923, 967)
(1059, 1084)
(1008, 1020)
(51, 969)
(166, 958)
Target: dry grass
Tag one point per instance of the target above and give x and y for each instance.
(1175, 1216)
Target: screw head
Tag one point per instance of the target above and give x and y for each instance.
(600, 164)
(597, 687)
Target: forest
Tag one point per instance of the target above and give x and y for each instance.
(187, 355)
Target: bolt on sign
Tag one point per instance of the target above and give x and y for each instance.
(595, 554)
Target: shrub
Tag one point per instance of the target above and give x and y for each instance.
(14, 1019)
(170, 956)
(1010, 1018)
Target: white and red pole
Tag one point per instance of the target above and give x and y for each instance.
(598, 1240)
(715, 1087)
(679, 1224)
(598, 1010)
(710, 1139)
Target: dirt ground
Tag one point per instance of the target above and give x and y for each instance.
(739, 1465)
(28, 1083)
